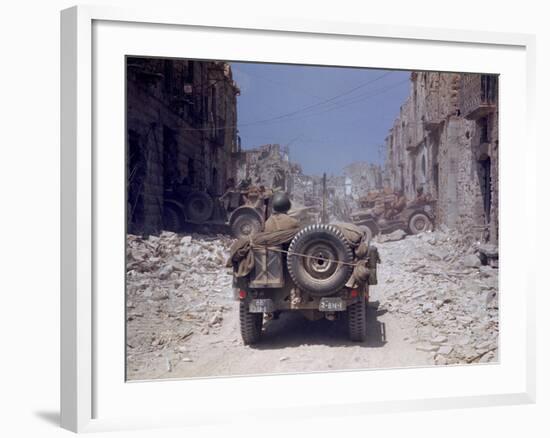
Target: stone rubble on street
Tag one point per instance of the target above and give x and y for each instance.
(434, 279)
(177, 288)
(179, 299)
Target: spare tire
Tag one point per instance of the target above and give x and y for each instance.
(245, 224)
(198, 207)
(326, 267)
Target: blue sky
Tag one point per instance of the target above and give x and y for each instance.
(329, 116)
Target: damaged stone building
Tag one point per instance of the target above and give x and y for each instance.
(181, 131)
(445, 140)
(361, 177)
(268, 165)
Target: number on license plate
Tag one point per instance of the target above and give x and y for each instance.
(332, 305)
(261, 306)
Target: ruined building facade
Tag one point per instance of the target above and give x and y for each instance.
(445, 140)
(268, 165)
(361, 177)
(181, 130)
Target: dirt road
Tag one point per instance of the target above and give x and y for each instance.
(183, 323)
(293, 344)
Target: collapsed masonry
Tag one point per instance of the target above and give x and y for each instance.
(445, 140)
(270, 166)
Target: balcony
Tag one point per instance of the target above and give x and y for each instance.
(478, 95)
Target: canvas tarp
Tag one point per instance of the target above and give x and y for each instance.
(241, 256)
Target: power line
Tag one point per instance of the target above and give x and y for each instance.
(332, 107)
(320, 103)
(339, 105)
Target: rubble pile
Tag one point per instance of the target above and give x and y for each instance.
(439, 280)
(175, 289)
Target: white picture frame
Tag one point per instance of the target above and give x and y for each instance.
(87, 354)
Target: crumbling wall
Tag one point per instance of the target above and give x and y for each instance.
(181, 131)
(267, 165)
(450, 152)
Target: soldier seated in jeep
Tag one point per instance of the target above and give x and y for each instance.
(319, 270)
(279, 219)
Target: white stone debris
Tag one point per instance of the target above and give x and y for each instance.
(179, 296)
(175, 286)
(438, 280)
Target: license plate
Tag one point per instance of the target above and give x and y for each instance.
(332, 305)
(261, 305)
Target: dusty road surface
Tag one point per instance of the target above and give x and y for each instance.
(294, 344)
(434, 304)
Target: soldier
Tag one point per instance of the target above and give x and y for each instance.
(265, 192)
(265, 196)
(253, 197)
(230, 198)
(397, 206)
(280, 220)
(245, 184)
(363, 202)
(379, 206)
(421, 197)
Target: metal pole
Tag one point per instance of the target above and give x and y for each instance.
(324, 218)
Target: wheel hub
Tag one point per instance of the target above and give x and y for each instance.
(199, 205)
(320, 263)
(246, 228)
(420, 223)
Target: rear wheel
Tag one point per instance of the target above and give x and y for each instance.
(357, 321)
(199, 207)
(251, 324)
(420, 223)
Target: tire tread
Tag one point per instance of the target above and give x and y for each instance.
(357, 321)
(251, 324)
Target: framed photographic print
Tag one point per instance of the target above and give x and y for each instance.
(319, 208)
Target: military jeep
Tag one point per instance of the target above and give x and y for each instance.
(316, 273)
(414, 219)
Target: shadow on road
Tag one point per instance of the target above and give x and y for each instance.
(292, 330)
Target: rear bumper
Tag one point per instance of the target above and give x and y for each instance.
(271, 300)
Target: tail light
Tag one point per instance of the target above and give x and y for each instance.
(354, 293)
(242, 294)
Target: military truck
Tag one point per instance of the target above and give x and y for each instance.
(236, 209)
(233, 210)
(320, 272)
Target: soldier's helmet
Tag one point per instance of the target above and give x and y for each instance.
(281, 202)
